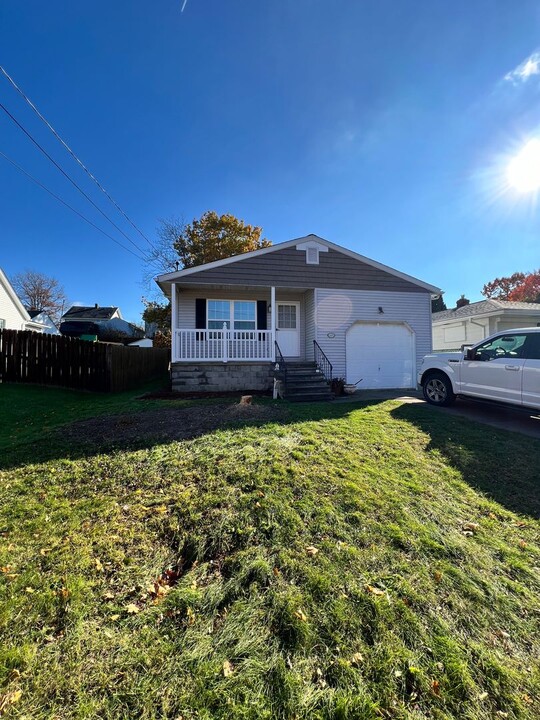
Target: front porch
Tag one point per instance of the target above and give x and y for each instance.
(226, 325)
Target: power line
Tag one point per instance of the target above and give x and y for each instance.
(57, 197)
(74, 156)
(64, 173)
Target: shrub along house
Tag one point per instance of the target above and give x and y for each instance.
(317, 309)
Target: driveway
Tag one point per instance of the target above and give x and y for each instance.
(483, 412)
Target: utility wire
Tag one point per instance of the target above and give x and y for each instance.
(64, 173)
(57, 197)
(74, 156)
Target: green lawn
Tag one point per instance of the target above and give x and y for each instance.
(345, 561)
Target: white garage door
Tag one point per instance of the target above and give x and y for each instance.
(382, 354)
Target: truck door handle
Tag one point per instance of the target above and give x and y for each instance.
(512, 367)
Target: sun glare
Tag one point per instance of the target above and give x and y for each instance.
(524, 168)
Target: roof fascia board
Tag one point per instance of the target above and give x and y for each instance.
(171, 277)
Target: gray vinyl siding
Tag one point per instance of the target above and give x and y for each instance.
(336, 310)
(186, 304)
(288, 268)
(309, 303)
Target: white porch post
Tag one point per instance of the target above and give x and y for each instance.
(273, 322)
(174, 323)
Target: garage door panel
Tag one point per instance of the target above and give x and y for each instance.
(381, 354)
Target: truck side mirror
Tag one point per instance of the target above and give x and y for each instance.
(470, 354)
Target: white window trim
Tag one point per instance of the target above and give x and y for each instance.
(231, 313)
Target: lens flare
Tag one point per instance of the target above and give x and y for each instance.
(524, 168)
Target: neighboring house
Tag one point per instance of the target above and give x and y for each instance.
(99, 323)
(316, 299)
(44, 319)
(13, 314)
(89, 313)
(474, 322)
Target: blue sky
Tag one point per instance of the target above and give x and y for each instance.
(381, 125)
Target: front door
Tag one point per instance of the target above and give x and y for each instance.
(288, 328)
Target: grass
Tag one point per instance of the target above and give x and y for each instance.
(349, 562)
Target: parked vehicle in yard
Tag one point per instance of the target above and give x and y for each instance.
(504, 368)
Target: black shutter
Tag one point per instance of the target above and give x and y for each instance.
(200, 313)
(261, 315)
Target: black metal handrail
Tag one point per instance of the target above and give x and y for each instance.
(322, 362)
(281, 365)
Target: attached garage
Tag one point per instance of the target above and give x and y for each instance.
(381, 354)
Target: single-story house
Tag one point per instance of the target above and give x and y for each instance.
(13, 314)
(89, 313)
(305, 303)
(105, 324)
(473, 322)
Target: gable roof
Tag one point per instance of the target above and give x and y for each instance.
(95, 312)
(166, 279)
(487, 307)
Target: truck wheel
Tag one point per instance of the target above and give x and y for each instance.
(438, 389)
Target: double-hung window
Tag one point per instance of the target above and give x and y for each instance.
(241, 313)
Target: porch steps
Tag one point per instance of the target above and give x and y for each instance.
(303, 383)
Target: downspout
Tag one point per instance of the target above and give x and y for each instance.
(473, 322)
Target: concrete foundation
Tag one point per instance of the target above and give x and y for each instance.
(221, 377)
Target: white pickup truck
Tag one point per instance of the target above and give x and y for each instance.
(505, 368)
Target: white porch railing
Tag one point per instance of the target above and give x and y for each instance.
(223, 345)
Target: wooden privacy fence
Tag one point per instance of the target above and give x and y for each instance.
(31, 357)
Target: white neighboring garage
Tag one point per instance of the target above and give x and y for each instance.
(380, 355)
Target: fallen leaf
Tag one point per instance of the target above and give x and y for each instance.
(473, 527)
(29, 590)
(108, 596)
(522, 544)
(227, 668)
(311, 550)
(300, 614)
(437, 576)
(374, 590)
(114, 617)
(483, 696)
(97, 563)
(276, 572)
(357, 658)
(436, 687)
(132, 609)
(9, 698)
